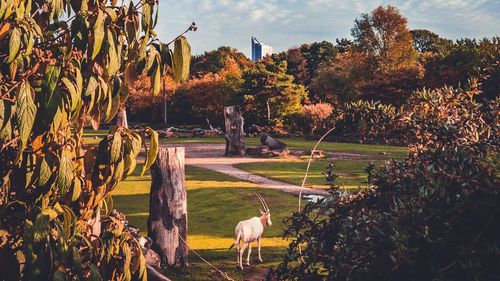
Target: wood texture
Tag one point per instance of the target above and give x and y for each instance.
(168, 207)
(121, 117)
(235, 144)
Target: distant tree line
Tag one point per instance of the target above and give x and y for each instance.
(384, 62)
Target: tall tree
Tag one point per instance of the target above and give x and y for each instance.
(384, 36)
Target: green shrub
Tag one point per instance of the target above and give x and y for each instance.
(432, 216)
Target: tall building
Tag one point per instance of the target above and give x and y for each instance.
(260, 50)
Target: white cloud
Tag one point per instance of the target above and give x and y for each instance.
(287, 23)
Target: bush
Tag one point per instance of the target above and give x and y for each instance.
(432, 216)
(316, 114)
(368, 122)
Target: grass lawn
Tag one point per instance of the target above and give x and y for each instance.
(375, 151)
(351, 172)
(216, 203)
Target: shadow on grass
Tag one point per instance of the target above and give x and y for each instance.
(226, 261)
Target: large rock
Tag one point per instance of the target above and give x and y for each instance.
(271, 142)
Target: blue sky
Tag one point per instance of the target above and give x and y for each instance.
(287, 23)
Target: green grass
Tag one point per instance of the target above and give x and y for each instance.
(216, 203)
(351, 172)
(375, 151)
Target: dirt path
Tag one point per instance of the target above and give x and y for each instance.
(210, 156)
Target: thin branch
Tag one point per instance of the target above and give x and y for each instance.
(192, 27)
(31, 72)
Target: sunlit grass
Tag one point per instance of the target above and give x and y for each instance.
(351, 173)
(216, 202)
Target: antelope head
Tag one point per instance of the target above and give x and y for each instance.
(265, 213)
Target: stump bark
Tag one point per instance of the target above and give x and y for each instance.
(235, 144)
(121, 117)
(168, 207)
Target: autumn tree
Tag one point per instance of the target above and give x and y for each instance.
(65, 64)
(381, 64)
(216, 60)
(384, 36)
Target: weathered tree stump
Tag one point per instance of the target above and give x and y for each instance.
(121, 117)
(235, 144)
(168, 207)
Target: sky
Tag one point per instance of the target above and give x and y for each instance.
(284, 24)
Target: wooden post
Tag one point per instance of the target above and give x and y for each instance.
(121, 117)
(168, 207)
(235, 145)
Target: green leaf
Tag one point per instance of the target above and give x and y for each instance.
(151, 152)
(41, 227)
(129, 164)
(5, 113)
(136, 143)
(113, 65)
(25, 113)
(142, 268)
(127, 256)
(77, 189)
(80, 32)
(115, 99)
(156, 81)
(98, 34)
(91, 86)
(166, 55)
(75, 98)
(146, 16)
(65, 174)
(116, 147)
(45, 172)
(6, 132)
(49, 82)
(14, 44)
(118, 171)
(30, 44)
(181, 59)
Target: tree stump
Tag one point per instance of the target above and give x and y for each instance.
(235, 144)
(121, 117)
(168, 207)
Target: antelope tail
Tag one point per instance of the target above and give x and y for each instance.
(235, 241)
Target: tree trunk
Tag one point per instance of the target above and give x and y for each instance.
(268, 113)
(121, 117)
(235, 145)
(168, 207)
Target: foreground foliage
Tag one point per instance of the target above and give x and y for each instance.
(433, 216)
(65, 64)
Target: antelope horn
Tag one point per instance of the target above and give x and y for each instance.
(263, 203)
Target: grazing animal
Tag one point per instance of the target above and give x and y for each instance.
(248, 231)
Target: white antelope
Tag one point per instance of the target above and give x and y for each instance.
(250, 230)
